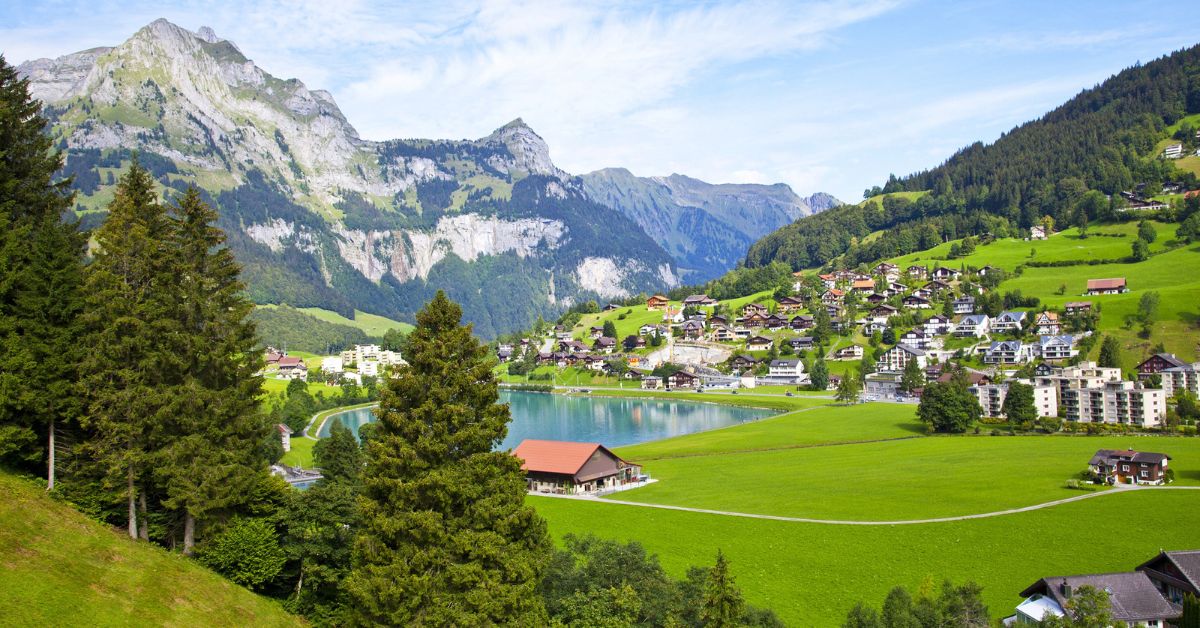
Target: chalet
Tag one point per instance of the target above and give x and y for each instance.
(1055, 347)
(884, 311)
(1006, 352)
(292, 368)
(651, 330)
(754, 320)
(718, 320)
(894, 288)
(797, 281)
(832, 296)
(791, 370)
(789, 304)
(1008, 322)
(914, 302)
(1107, 286)
(652, 382)
(974, 377)
(503, 354)
(544, 358)
(1133, 598)
(938, 325)
(1043, 370)
(986, 270)
(604, 344)
(895, 359)
(803, 321)
(936, 286)
(853, 352)
(875, 298)
(657, 302)
(272, 357)
(568, 468)
(1158, 363)
(285, 436)
(946, 274)
(1174, 574)
(596, 332)
(918, 272)
(692, 329)
(1037, 232)
(759, 343)
(671, 315)
(632, 342)
(800, 343)
(1075, 308)
(1046, 324)
(829, 281)
(776, 321)
(699, 300)
(722, 333)
(863, 286)
(964, 305)
(917, 339)
(1125, 466)
(752, 309)
(885, 268)
(975, 325)
(572, 346)
(742, 362)
(742, 333)
(836, 323)
(682, 379)
(1173, 151)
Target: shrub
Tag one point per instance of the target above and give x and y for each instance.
(247, 552)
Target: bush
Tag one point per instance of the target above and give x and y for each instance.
(247, 552)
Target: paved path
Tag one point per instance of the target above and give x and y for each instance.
(998, 513)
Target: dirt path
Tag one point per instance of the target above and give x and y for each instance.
(985, 515)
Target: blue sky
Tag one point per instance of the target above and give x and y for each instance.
(824, 96)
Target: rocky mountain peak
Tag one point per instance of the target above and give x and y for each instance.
(530, 151)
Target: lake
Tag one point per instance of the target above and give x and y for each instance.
(611, 421)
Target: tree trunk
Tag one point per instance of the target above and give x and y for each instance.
(50, 466)
(143, 527)
(189, 533)
(300, 582)
(132, 507)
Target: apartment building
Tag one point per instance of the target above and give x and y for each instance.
(991, 398)
(1092, 394)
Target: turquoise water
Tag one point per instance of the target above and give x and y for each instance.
(611, 421)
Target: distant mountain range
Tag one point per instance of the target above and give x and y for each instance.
(321, 217)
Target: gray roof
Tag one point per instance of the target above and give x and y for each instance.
(1005, 345)
(1134, 597)
(974, 319)
(1187, 561)
(1116, 455)
(788, 363)
(1011, 315)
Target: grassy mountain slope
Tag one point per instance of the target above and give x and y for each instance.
(61, 569)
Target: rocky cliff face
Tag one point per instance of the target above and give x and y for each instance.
(706, 228)
(319, 216)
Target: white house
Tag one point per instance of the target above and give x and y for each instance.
(790, 369)
(964, 305)
(285, 435)
(1008, 322)
(332, 365)
(1047, 324)
(1056, 347)
(938, 325)
(853, 352)
(1174, 151)
(1037, 232)
(975, 325)
(1006, 352)
(895, 359)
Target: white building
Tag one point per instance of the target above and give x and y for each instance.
(1009, 321)
(368, 368)
(1056, 347)
(1093, 394)
(332, 365)
(975, 325)
(791, 370)
(1174, 151)
(895, 359)
(991, 398)
(1180, 378)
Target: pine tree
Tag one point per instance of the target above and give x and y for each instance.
(819, 377)
(446, 538)
(913, 377)
(1110, 352)
(723, 603)
(848, 388)
(40, 276)
(1191, 612)
(211, 454)
(129, 369)
(339, 456)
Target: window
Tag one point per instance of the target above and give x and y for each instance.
(1124, 467)
(1145, 474)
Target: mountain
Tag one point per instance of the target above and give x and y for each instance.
(1071, 165)
(706, 228)
(320, 217)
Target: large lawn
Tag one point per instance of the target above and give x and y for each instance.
(811, 574)
(894, 480)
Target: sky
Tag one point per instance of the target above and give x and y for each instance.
(824, 96)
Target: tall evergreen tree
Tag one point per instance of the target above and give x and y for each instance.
(339, 456)
(1110, 352)
(211, 456)
(1191, 612)
(41, 264)
(723, 603)
(819, 376)
(130, 366)
(446, 538)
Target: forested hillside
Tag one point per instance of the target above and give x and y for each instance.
(1064, 165)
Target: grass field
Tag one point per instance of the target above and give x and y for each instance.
(811, 574)
(61, 569)
(373, 325)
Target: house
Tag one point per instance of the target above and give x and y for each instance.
(1134, 599)
(1158, 363)
(884, 269)
(832, 296)
(829, 281)
(682, 379)
(946, 274)
(1006, 352)
(272, 357)
(1107, 286)
(699, 300)
(1174, 574)
(285, 436)
(332, 364)
(918, 272)
(1075, 308)
(797, 281)
(1008, 322)
(652, 382)
(504, 353)
(800, 343)
(776, 321)
(882, 385)
(611, 307)
(803, 321)
(853, 352)
(566, 468)
(895, 359)
(632, 342)
(1173, 151)
(986, 270)
(791, 370)
(692, 329)
(975, 325)
(1125, 466)
(938, 325)
(657, 302)
(742, 362)
(1046, 324)
(917, 339)
(1037, 232)
(722, 333)
(936, 286)
(671, 315)
(596, 332)
(875, 299)
(604, 344)
(863, 286)
(943, 375)
(964, 305)
(651, 330)
(914, 302)
(1056, 347)
(884, 311)
(754, 309)
(894, 288)
(991, 398)
(759, 343)
(789, 304)
(292, 368)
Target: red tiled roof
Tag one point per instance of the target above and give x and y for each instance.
(555, 456)
(1105, 284)
(289, 361)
